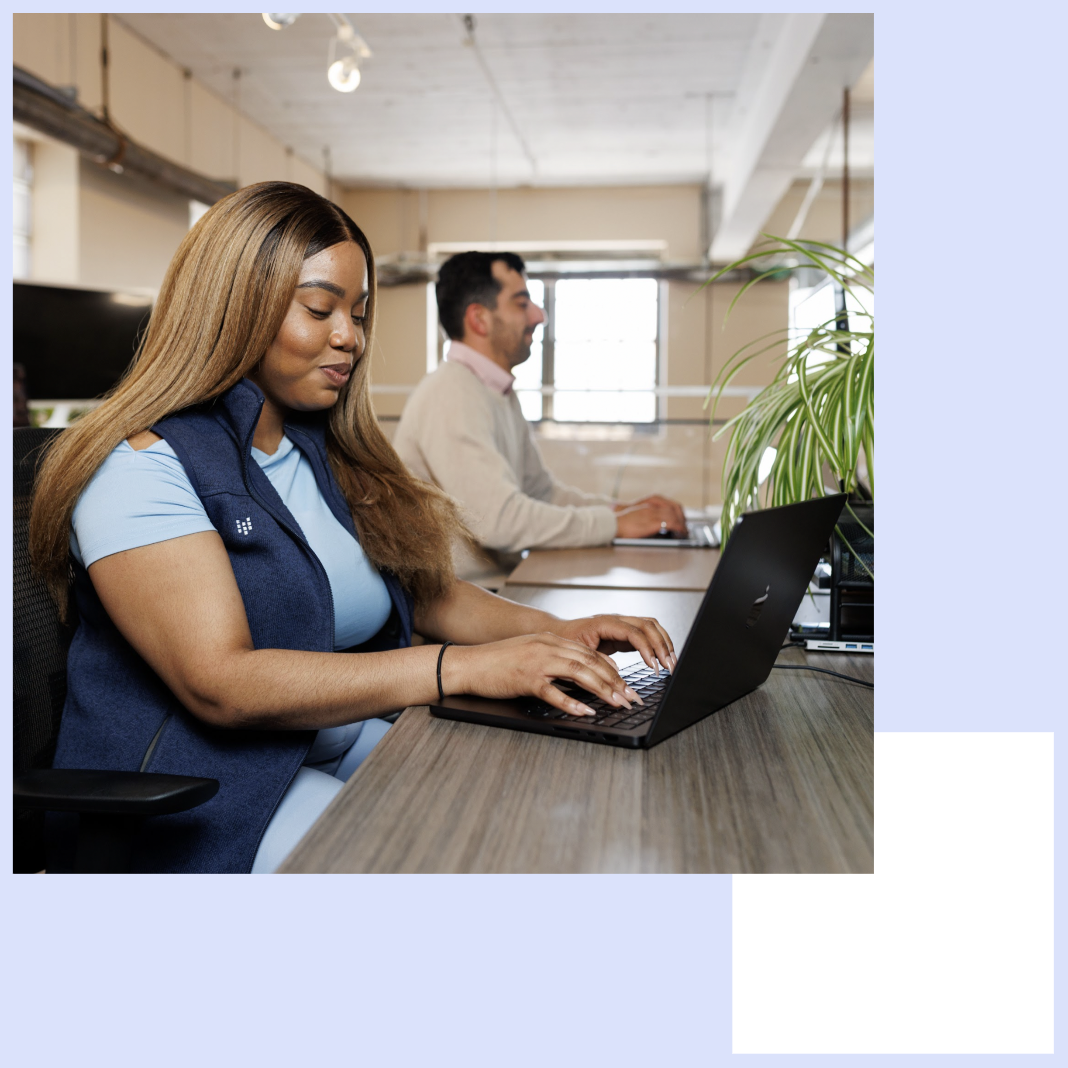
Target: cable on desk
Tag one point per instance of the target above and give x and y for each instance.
(825, 671)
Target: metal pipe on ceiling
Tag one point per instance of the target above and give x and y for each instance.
(414, 268)
(39, 105)
(845, 167)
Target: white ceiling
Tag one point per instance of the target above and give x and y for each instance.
(599, 99)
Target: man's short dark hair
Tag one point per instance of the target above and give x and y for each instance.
(467, 278)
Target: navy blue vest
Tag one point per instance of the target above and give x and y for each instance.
(119, 714)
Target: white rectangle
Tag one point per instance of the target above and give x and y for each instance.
(947, 948)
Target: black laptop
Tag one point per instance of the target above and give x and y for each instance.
(732, 645)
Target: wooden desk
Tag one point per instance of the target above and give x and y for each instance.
(780, 781)
(618, 567)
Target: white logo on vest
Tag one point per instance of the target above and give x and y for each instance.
(244, 526)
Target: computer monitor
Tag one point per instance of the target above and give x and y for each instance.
(75, 343)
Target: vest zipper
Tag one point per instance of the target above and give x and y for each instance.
(395, 601)
(293, 533)
(152, 744)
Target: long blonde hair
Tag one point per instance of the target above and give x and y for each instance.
(222, 303)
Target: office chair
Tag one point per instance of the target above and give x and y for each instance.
(111, 804)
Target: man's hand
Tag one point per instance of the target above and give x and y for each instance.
(649, 516)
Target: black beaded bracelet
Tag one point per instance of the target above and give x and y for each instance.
(441, 692)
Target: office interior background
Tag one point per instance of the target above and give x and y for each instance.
(625, 157)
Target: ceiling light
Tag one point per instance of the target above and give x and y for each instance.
(347, 49)
(343, 74)
(279, 22)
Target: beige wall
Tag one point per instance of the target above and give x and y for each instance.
(56, 213)
(399, 354)
(129, 229)
(824, 219)
(666, 213)
(392, 220)
(93, 227)
(62, 49)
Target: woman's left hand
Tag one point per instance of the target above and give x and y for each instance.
(617, 634)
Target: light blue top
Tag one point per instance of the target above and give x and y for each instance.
(143, 496)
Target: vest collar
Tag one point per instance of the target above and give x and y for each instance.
(242, 405)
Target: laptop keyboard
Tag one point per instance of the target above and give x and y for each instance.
(643, 680)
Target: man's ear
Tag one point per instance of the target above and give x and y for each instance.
(476, 320)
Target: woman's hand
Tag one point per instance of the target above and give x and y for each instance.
(506, 649)
(618, 634)
(527, 665)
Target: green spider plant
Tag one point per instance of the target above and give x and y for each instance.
(819, 410)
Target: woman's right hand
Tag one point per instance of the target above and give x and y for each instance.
(527, 666)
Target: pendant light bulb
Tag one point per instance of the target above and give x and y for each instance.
(279, 21)
(343, 74)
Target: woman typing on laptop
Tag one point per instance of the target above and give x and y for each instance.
(236, 519)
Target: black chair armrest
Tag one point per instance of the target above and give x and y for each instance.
(115, 793)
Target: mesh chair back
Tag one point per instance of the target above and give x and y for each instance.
(40, 650)
(41, 640)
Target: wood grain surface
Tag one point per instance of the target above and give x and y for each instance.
(780, 781)
(619, 567)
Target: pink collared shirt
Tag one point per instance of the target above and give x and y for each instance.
(482, 367)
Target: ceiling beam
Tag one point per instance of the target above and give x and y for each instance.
(791, 92)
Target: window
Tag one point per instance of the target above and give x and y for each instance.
(22, 219)
(814, 307)
(606, 342)
(598, 351)
(810, 308)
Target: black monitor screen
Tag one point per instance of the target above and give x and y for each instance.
(74, 343)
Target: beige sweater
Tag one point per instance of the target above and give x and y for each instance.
(475, 444)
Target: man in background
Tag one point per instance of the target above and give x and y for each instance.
(463, 429)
